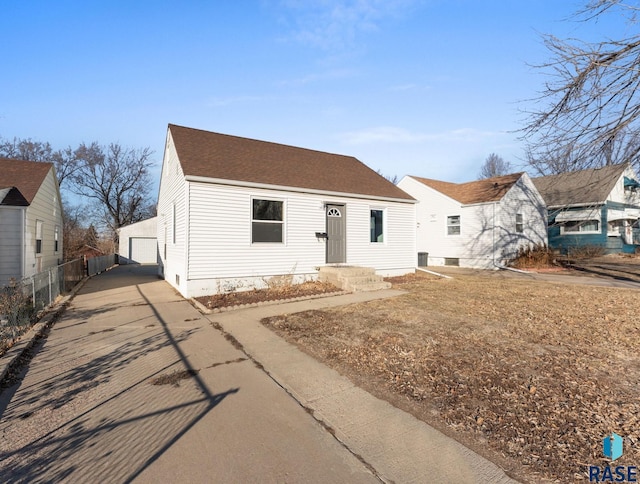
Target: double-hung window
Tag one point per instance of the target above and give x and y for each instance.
(519, 223)
(581, 226)
(377, 226)
(38, 236)
(267, 220)
(453, 225)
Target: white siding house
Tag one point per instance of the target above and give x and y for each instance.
(30, 219)
(479, 224)
(235, 212)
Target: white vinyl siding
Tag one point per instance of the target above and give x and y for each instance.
(222, 256)
(45, 207)
(11, 229)
(487, 232)
(172, 193)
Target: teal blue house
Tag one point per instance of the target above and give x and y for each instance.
(596, 207)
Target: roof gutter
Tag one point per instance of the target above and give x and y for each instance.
(571, 205)
(264, 186)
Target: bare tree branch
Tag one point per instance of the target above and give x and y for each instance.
(591, 102)
(118, 180)
(494, 165)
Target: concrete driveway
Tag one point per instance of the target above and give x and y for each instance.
(232, 402)
(85, 410)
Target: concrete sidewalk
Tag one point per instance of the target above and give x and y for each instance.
(86, 410)
(399, 447)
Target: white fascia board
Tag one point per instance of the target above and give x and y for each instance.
(237, 183)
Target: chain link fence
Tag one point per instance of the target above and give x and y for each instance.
(21, 301)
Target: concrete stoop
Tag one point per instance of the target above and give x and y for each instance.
(353, 278)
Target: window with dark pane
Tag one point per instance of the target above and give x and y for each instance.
(267, 221)
(377, 234)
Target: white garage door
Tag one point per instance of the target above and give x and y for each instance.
(143, 250)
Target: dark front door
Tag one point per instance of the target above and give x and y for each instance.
(336, 234)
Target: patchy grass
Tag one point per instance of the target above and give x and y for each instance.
(531, 374)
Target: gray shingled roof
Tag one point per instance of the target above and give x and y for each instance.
(579, 187)
(214, 155)
(479, 191)
(26, 176)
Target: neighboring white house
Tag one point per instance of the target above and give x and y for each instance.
(478, 224)
(234, 212)
(30, 219)
(138, 242)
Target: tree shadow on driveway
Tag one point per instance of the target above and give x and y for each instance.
(86, 409)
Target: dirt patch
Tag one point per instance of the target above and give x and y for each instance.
(174, 378)
(533, 375)
(287, 291)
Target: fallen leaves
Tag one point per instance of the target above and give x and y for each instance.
(540, 372)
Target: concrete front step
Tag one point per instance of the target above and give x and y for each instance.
(353, 278)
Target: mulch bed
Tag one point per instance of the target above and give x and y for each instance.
(277, 293)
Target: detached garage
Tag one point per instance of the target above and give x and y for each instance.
(139, 242)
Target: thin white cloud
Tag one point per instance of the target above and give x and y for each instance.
(227, 101)
(403, 87)
(319, 76)
(335, 24)
(391, 134)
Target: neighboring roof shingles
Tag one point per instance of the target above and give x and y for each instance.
(213, 155)
(480, 191)
(26, 176)
(579, 187)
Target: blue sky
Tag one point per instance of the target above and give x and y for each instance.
(422, 87)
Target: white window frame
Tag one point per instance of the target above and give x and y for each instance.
(173, 223)
(451, 225)
(56, 239)
(580, 232)
(39, 232)
(384, 225)
(282, 222)
(519, 223)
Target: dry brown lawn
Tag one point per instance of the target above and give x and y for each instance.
(533, 375)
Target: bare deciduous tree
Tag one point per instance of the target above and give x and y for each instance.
(117, 179)
(494, 165)
(590, 109)
(65, 161)
(392, 178)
